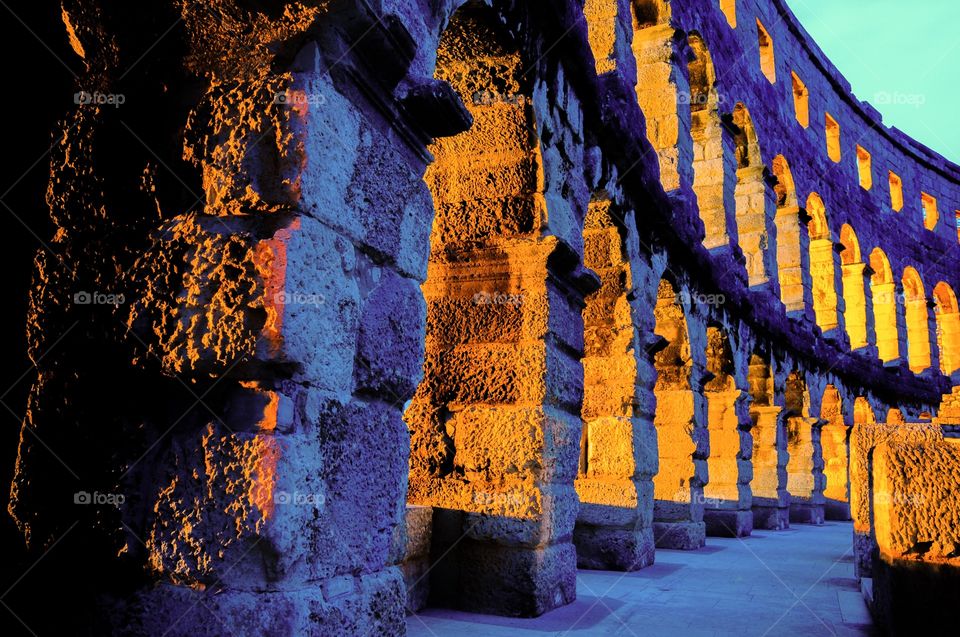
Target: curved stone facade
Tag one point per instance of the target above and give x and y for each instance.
(585, 279)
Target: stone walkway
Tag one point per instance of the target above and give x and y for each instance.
(795, 582)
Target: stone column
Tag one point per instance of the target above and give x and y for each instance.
(855, 316)
(727, 510)
(771, 499)
(805, 480)
(619, 444)
(681, 423)
(495, 422)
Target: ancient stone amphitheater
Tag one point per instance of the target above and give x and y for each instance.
(355, 306)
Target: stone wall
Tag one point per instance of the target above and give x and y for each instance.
(582, 279)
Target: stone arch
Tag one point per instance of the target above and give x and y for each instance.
(822, 272)
(750, 196)
(791, 240)
(805, 481)
(678, 486)
(948, 327)
(863, 413)
(706, 131)
(613, 484)
(883, 291)
(918, 320)
(855, 317)
(486, 447)
(660, 93)
(834, 442)
(771, 501)
(727, 492)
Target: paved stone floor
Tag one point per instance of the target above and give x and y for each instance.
(794, 582)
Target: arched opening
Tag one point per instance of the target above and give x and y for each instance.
(864, 168)
(822, 273)
(707, 133)
(801, 100)
(896, 191)
(611, 532)
(854, 294)
(834, 442)
(791, 239)
(727, 493)
(948, 328)
(918, 320)
(805, 479)
(750, 197)
(681, 439)
(931, 214)
(883, 291)
(659, 93)
(768, 64)
(863, 413)
(771, 502)
(833, 137)
(487, 450)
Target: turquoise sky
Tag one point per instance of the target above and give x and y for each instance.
(901, 57)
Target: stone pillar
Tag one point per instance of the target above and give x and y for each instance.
(682, 436)
(889, 322)
(496, 420)
(805, 480)
(771, 499)
(791, 255)
(619, 443)
(727, 511)
(244, 417)
(661, 83)
(856, 315)
(822, 270)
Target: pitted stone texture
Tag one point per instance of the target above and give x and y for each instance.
(347, 605)
(916, 503)
(863, 439)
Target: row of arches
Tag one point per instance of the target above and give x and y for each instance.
(787, 246)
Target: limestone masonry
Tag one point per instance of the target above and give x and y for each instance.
(356, 306)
